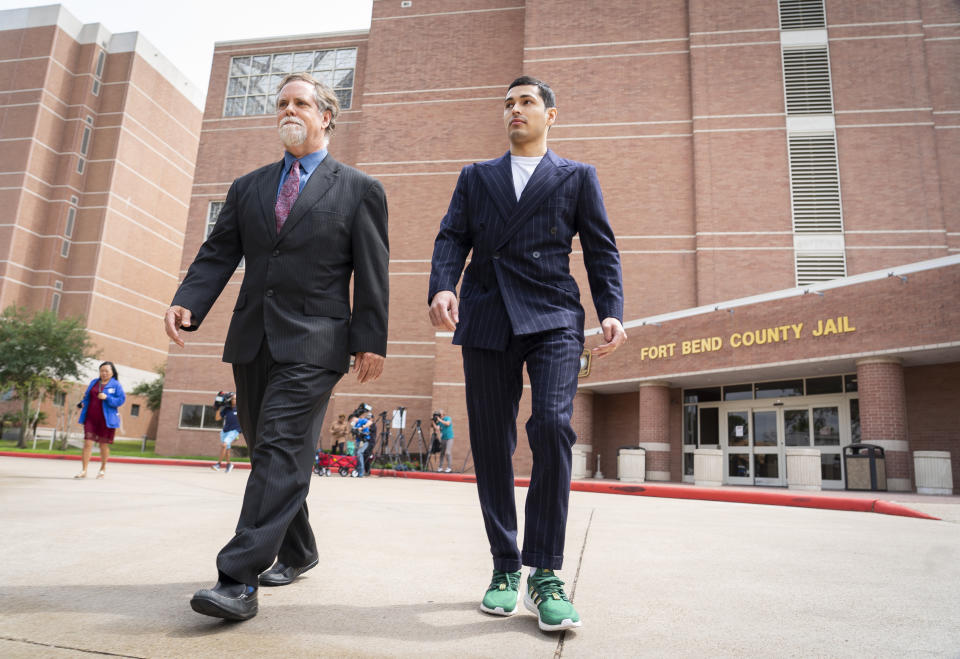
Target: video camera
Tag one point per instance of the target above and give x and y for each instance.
(222, 398)
(436, 417)
(362, 409)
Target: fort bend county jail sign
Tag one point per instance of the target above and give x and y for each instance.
(756, 337)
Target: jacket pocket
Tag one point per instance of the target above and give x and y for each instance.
(327, 308)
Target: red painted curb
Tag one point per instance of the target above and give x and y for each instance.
(762, 497)
(124, 460)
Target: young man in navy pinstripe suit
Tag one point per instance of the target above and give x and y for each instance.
(519, 305)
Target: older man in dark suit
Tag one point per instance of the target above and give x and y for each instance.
(519, 305)
(303, 226)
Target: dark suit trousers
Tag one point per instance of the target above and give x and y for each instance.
(280, 409)
(494, 383)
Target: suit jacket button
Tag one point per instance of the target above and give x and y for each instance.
(496, 255)
(536, 255)
(553, 231)
(276, 252)
(270, 293)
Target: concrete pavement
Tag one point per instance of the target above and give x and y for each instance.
(108, 567)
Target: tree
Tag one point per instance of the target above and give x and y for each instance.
(152, 390)
(36, 351)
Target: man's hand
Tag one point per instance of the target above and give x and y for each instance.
(614, 335)
(368, 366)
(444, 310)
(175, 318)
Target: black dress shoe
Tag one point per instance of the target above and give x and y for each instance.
(234, 602)
(281, 575)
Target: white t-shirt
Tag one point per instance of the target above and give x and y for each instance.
(523, 167)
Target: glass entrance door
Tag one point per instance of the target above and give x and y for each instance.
(737, 455)
(768, 463)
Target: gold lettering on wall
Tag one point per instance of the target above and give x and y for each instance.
(748, 339)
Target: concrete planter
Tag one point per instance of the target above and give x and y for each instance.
(933, 473)
(803, 469)
(578, 468)
(708, 467)
(632, 465)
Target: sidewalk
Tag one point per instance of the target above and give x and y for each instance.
(907, 504)
(109, 566)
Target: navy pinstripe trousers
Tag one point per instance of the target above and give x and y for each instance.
(280, 409)
(494, 383)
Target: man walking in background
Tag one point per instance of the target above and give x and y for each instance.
(229, 433)
(519, 305)
(305, 225)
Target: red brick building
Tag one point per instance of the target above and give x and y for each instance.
(98, 140)
(748, 152)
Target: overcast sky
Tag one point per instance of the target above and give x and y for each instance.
(185, 30)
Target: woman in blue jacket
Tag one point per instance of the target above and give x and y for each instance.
(99, 416)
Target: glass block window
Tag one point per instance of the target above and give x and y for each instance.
(253, 80)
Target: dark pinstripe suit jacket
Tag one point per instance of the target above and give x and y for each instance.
(296, 284)
(519, 277)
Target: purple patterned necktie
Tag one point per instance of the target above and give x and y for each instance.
(288, 194)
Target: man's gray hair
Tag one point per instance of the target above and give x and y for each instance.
(323, 96)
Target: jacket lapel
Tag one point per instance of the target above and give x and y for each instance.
(498, 179)
(267, 190)
(319, 183)
(548, 175)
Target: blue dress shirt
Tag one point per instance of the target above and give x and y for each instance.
(307, 164)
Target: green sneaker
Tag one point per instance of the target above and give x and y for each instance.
(545, 597)
(501, 597)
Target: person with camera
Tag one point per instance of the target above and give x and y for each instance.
(443, 426)
(226, 405)
(361, 434)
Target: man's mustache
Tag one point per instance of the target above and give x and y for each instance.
(291, 120)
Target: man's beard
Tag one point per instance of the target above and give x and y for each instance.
(293, 134)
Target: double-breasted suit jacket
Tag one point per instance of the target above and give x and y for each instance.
(295, 288)
(519, 280)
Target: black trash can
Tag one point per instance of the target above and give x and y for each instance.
(865, 467)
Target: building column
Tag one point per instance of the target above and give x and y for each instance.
(883, 416)
(582, 422)
(653, 428)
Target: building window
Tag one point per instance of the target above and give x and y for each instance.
(213, 212)
(65, 248)
(71, 221)
(199, 416)
(85, 140)
(253, 80)
(80, 165)
(134, 409)
(98, 74)
(59, 398)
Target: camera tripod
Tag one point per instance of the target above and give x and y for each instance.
(381, 443)
(425, 456)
